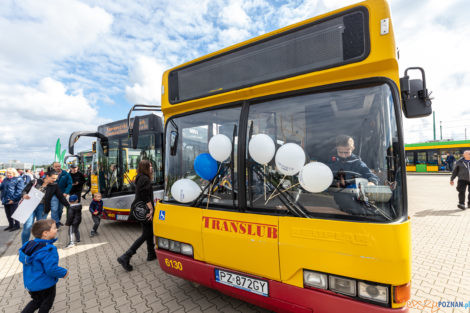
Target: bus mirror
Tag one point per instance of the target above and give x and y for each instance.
(173, 142)
(135, 132)
(414, 95)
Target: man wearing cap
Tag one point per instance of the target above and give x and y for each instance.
(65, 185)
(78, 180)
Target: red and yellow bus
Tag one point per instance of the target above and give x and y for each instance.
(257, 231)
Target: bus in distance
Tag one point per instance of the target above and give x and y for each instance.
(115, 162)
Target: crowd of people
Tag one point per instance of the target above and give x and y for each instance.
(60, 188)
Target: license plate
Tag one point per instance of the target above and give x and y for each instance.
(122, 217)
(242, 282)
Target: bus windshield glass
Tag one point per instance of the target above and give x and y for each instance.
(351, 131)
(118, 167)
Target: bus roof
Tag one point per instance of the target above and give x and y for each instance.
(438, 144)
(149, 122)
(376, 59)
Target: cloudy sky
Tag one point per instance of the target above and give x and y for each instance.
(69, 65)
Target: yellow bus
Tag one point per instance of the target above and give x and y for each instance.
(259, 203)
(116, 157)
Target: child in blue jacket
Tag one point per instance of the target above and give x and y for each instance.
(41, 269)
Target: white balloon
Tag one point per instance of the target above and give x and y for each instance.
(220, 147)
(315, 177)
(185, 190)
(261, 148)
(290, 158)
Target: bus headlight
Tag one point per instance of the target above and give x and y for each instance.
(186, 249)
(373, 292)
(175, 246)
(314, 279)
(343, 285)
(163, 243)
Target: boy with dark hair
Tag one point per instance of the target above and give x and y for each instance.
(96, 209)
(41, 269)
(74, 218)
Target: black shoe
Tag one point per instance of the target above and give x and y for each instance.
(92, 233)
(151, 256)
(59, 224)
(8, 228)
(14, 228)
(461, 206)
(124, 261)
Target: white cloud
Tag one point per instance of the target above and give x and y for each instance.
(146, 80)
(233, 15)
(34, 117)
(35, 34)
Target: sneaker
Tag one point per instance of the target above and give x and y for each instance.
(71, 244)
(92, 233)
(59, 224)
(461, 206)
(8, 228)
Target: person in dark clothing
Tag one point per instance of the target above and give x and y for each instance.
(78, 180)
(450, 161)
(74, 218)
(143, 192)
(96, 209)
(41, 269)
(10, 189)
(462, 171)
(50, 189)
(87, 182)
(64, 180)
(346, 166)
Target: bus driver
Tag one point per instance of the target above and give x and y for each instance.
(346, 166)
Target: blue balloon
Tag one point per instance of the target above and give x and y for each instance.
(205, 166)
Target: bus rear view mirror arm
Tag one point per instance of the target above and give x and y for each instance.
(414, 95)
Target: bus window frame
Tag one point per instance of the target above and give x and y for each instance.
(242, 146)
(367, 49)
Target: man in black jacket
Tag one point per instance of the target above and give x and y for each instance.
(78, 180)
(462, 171)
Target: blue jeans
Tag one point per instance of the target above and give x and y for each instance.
(37, 214)
(56, 209)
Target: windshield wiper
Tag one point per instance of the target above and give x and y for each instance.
(295, 208)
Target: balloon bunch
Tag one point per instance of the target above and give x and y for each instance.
(206, 167)
(290, 160)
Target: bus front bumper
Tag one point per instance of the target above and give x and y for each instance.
(282, 297)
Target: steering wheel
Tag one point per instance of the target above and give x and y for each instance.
(337, 180)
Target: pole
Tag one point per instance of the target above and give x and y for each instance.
(434, 124)
(441, 128)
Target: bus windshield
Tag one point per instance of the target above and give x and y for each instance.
(352, 131)
(118, 167)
